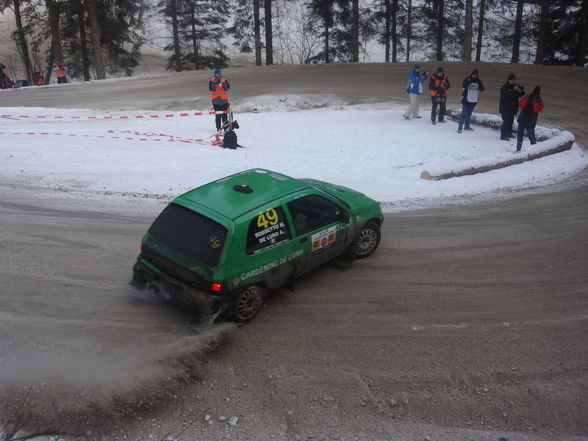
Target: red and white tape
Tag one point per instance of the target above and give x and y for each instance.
(101, 117)
(155, 137)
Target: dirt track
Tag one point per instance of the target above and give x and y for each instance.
(469, 323)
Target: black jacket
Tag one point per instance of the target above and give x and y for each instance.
(509, 99)
(466, 86)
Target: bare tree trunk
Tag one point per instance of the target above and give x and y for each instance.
(53, 9)
(327, 58)
(581, 56)
(269, 48)
(394, 31)
(387, 30)
(176, 35)
(49, 70)
(408, 30)
(516, 40)
(83, 41)
(543, 24)
(467, 44)
(440, 24)
(194, 39)
(355, 31)
(480, 30)
(22, 41)
(257, 27)
(96, 41)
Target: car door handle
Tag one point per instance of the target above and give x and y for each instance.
(304, 239)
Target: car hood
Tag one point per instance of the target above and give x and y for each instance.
(354, 199)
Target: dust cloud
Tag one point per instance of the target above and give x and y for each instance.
(72, 373)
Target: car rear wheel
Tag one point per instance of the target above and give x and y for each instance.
(247, 304)
(367, 240)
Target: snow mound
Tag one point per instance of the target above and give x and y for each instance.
(288, 103)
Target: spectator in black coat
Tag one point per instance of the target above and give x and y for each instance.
(510, 92)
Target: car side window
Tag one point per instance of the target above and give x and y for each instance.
(267, 229)
(312, 212)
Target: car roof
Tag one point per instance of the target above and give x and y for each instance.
(240, 193)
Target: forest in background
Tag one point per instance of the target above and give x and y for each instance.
(95, 39)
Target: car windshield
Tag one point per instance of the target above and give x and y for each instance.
(190, 233)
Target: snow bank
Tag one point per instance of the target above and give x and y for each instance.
(550, 141)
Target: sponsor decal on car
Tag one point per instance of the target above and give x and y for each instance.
(323, 240)
(271, 265)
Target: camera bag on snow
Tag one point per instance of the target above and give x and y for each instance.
(230, 140)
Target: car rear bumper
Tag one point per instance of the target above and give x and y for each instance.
(147, 277)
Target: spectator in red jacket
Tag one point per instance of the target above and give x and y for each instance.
(531, 105)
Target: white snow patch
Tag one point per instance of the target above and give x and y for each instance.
(369, 148)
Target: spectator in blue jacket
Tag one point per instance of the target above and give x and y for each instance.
(472, 86)
(414, 89)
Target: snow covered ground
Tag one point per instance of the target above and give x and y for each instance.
(369, 148)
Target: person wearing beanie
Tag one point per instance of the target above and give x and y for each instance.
(510, 92)
(531, 105)
(472, 86)
(438, 85)
(414, 89)
(218, 87)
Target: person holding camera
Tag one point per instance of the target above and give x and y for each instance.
(531, 106)
(510, 92)
(472, 86)
(438, 85)
(218, 87)
(414, 89)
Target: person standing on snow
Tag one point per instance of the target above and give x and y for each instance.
(472, 86)
(414, 89)
(510, 92)
(59, 72)
(5, 81)
(531, 105)
(438, 84)
(220, 98)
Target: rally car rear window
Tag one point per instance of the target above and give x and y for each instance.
(190, 233)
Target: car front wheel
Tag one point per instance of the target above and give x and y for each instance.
(367, 240)
(247, 303)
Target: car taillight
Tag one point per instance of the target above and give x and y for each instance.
(217, 287)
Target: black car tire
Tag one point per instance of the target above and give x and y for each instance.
(247, 304)
(367, 240)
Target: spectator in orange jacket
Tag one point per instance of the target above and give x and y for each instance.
(59, 72)
(218, 87)
(531, 105)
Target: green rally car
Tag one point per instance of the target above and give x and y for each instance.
(223, 246)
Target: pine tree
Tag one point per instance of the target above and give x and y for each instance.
(323, 9)
(198, 27)
(246, 28)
